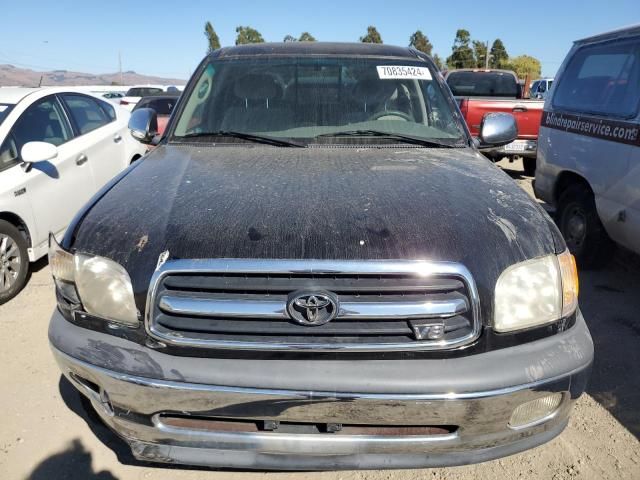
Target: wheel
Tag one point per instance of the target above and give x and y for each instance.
(581, 227)
(14, 261)
(529, 166)
(396, 114)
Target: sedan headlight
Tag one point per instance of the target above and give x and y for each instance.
(100, 285)
(536, 292)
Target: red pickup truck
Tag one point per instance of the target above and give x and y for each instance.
(482, 91)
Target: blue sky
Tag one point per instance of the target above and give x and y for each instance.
(165, 38)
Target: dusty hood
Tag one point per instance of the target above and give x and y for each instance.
(244, 201)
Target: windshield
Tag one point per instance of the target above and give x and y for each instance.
(142, 91)
(483, 84)
(5, 108)
(313, 98)
(162, 106)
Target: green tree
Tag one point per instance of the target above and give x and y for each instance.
(421, 42)
(372, 36)
(438, 61)
(212, 37)
(480, 53)
(306, 37)
(499, 56)
(289, 38)
(461, 53)
(248, 35)
(524, 66)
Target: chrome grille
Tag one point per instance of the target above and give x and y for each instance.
(383, 305)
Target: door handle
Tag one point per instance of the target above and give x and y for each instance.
(520, 108)
(82, 158)
(117, 138)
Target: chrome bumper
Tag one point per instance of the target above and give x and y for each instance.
(521, 148)
(134, 406)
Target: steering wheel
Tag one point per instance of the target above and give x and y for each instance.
(393, 113)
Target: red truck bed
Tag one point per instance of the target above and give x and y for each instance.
(486, 91)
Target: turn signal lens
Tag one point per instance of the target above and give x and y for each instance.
(570, 283)
(60, 261)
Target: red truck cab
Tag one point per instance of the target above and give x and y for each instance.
(482, 91)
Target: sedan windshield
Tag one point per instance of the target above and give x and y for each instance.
(5, 108)
(320, 100)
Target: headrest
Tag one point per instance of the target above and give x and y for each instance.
(373, 90)
(256, 86)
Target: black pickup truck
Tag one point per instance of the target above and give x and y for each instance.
(317, 269)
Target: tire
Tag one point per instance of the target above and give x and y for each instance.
(582, 229)
(14, 261)
(529, 166)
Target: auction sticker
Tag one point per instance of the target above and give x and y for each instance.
(399, 71)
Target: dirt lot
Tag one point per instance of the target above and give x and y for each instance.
(45, 432)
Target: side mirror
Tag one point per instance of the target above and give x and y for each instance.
(143, 125)
(34, 152)
(497, 129)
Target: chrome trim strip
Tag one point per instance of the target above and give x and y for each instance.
(277, 310)
(419, 268)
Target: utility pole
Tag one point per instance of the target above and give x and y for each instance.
(486, 58)
(120, 66)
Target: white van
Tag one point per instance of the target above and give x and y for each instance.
(589, 145)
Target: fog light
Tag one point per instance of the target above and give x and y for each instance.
(535, 411)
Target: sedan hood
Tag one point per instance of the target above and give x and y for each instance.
(204, 201)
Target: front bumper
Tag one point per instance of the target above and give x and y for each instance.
(520, 148)
(136, 389)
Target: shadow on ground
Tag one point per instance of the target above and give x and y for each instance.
(610, 302)
(74, 463)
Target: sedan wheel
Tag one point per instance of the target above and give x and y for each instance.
(14, 261)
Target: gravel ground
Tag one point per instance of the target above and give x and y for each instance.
(46, 433)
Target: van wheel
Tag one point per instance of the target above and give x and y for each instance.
(14, 261)
(581, 227)
(529, 166)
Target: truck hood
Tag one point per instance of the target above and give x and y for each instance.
(204, 201)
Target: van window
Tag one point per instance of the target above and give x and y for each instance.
(602, 79)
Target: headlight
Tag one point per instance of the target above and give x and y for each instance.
(536, 292)
(102, 286)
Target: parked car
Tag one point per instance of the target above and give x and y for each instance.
(134, 94)
(483, 91)
(540, 88)
(113, 95)
(162, 105)
(317, 269)
(589, 157)
(57, 148)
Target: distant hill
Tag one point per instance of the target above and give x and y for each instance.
(15, 76)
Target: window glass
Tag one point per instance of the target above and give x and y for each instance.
(602, 79)
(43, 121)
(9, 153)
(314, 98)
(108, 108)
(143, 91)
(162, 106)
(86, 112)
(4, 111)
(483, 84)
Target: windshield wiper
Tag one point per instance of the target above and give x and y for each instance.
(251, 137)
(396, 136)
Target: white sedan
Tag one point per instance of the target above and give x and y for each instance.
(57, 149)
